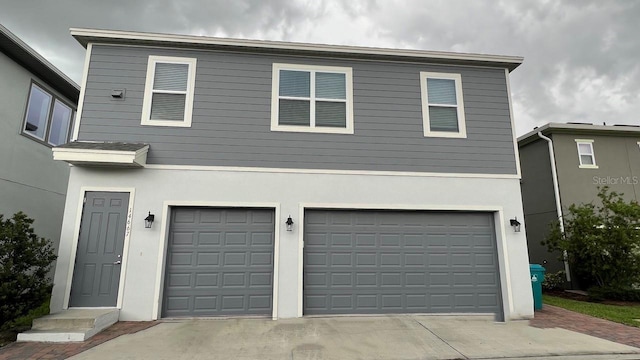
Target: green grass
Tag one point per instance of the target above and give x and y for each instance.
(624, 314)
(11, 330)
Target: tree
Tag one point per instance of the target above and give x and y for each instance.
(25, 262)
(602, 242)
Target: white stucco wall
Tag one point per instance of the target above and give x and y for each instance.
(156, 189)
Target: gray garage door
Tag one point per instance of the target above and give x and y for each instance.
(370, 262)
(219, 262)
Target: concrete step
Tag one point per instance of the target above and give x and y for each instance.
(70, 325)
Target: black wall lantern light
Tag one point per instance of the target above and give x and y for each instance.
(515, 224)
(148, 221)
(289, 223)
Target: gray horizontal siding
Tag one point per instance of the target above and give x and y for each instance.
(232, 115)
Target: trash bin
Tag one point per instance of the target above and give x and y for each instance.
(537, 276)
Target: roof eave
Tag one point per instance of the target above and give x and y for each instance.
(582, 129)
(86, 36)
(23, 54)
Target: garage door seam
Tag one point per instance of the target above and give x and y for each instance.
(441, 339)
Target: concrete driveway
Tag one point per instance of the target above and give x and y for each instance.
(380, 337)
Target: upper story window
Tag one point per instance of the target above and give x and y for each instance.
(47, 118)
(168, 91)
(312, 99)
(442, 105)
(586, 154)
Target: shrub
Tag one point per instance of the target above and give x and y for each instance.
(25, 261)
(614, 293)
(553, 281)
(602, 242)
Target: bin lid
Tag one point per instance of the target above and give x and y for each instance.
(536, 267)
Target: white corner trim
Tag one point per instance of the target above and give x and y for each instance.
(85, 75)
(301, 210)
(328, 172)
(148, 91)
(516, 150)
(76, 238)
(424, 93)
(92, 156)
(276, 261)
(164, 239)
(312, 128)
(504, 263)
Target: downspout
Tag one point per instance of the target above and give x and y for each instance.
(556, 190)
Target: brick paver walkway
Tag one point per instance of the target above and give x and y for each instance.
(551, 316)
(34, 350)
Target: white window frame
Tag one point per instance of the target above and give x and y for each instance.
(462, 131)
(275, 97)
(149, 91)
(593, 154)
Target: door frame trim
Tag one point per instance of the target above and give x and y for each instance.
(76, 238)
(164, 239)
(500, 233)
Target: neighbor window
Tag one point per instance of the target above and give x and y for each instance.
(312, 99)
(168, 92)
(442, 105)
(47, 118)
(585, 154)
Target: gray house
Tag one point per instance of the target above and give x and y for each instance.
(226, 177)
(37, 108)
(564, 164)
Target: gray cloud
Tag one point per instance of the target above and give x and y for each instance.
(580, 56)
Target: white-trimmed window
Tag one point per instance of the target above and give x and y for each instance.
(309, 98)
(168, 91)
(442, 105)
(47, 118)
(585, 154)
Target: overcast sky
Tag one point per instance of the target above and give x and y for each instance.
(582, 58)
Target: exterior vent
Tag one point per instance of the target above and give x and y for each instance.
(579, 123)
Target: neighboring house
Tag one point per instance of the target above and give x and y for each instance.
(37, 106)
(585, 157)
(289, 179)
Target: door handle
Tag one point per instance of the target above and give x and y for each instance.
(117, 262)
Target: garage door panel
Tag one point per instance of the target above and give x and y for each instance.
(220, 262)
(206, 238)
(207, 258)
(399, 261)
(185, 217)
(182, 238)
(236, 239)
(262, 239)
(365, 240)
(206, 279)
(340, 240)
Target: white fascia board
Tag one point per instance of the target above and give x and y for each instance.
(101, 157)
(80, 33)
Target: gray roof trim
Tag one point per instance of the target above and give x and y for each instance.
(24, 55)
(578, 129)
(86, 36)
(102, 145)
